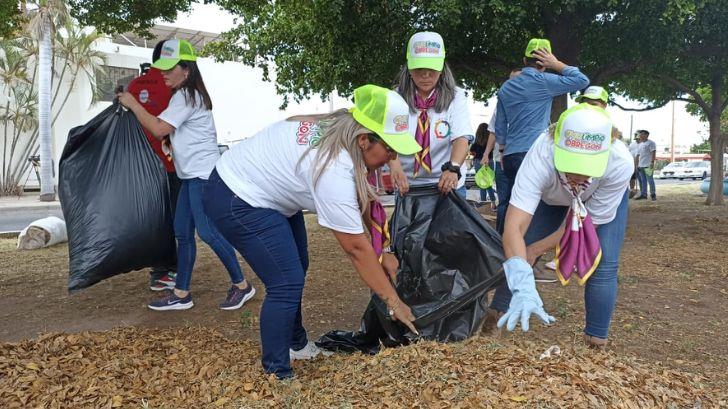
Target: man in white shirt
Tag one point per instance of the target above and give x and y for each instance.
(646, 155)
(634, 147)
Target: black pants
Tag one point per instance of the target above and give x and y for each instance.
(174, 186)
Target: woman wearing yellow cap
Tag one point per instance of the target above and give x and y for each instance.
(189, 122)
(318, 163)
(570, 193)
(438, 116)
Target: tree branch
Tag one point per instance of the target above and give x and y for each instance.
(679, 85)
(649, 108)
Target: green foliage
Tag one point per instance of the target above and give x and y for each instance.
(701, 147)
(11, 18)
(118, 16)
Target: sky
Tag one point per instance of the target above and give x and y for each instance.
(688, 129)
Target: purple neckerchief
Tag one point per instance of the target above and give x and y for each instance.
(579, 250)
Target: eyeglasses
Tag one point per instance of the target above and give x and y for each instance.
(375, 138)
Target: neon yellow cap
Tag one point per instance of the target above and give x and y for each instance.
(582, 140)
(426, 50)
(174, 51)
(385, 113)
(537, 44)
(594, 92)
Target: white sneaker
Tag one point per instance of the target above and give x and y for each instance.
(310, 351)
(551, 265)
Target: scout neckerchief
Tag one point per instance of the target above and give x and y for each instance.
(379, 229)
(579, 250)
(422, 135)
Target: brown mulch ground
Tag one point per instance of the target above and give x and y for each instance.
(196, 367)
(671, 315)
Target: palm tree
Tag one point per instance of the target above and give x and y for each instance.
(42, 24)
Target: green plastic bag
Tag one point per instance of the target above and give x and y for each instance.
(649, 171)
(485, 177)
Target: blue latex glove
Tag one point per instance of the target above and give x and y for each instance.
(526, 300)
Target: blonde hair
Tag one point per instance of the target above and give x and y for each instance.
(339, 131)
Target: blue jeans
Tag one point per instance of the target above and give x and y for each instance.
(511, 164)
(190, 216)
(276, 248)
(644, 180)
(600, 293)
(500, 188)
(488, 193)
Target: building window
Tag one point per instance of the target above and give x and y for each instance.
(115, 76)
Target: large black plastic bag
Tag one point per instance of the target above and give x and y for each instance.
(449, 259)
(115, 199)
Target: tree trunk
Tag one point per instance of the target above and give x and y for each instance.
(47, 188)
(566, 46)
(715, 194)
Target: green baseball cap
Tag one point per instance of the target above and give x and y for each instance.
(594, 92)
(385, 113)
(174, 51)
(582, 141)
(536, 44)
(426, 50)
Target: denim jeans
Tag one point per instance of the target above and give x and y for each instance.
(276, 248)
(511, 164)
(500, 188)
(175, 183)
(488, 193)
(646, 180)
(190, 216)
(600, 293)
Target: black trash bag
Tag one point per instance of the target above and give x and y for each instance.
(114, 195)
(449, 259)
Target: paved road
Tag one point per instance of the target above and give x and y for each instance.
(17, 220)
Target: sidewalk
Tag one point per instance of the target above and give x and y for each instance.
(28, 201)
(16, 212)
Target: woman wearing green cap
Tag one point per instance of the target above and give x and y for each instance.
(438, 115)
(319, 163)
(189, 122)
(570, 193)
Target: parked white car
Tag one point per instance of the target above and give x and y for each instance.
(669, 170)
(694, 170)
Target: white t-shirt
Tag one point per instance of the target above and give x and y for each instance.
(537, 180)
(445, 128)
(496, 147)
(194, 139)
(645, 151)
(264, 171)
(634, 148)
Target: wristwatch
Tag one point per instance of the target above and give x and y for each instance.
(454, 168)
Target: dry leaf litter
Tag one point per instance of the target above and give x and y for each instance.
(199, 368)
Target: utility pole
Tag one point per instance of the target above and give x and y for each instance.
(672, 134)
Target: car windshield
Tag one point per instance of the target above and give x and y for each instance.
(675, 165)
(696, 165)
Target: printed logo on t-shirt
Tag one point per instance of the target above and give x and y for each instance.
(442, 129)
(584, 141)
(143, 96)
(400, 123)
(307, 133)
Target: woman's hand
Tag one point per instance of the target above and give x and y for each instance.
(484, 160)
(398, 177)
(448, 182)
(127, 99)
(391, 265)
(401, 312)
